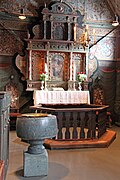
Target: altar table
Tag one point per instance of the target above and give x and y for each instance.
(61, 97)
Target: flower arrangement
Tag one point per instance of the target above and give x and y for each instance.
(81, 77)
(43, 76)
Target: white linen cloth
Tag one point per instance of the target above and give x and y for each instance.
(60, 97)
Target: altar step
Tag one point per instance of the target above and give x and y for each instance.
(104, 141)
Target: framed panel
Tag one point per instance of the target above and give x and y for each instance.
(57, 67)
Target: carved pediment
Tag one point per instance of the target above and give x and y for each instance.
(57, 23)
(59, 8)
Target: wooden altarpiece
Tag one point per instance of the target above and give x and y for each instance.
(52, 49)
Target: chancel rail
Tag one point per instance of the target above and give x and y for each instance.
(77, 121)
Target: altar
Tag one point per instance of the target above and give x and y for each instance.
(56, 60)
(61, 97)
(78, 123)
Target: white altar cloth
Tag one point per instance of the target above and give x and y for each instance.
(60, 97)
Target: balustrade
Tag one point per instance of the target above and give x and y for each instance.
(77, 122)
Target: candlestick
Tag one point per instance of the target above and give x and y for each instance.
(46, 68)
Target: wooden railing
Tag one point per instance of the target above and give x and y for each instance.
(76, 122)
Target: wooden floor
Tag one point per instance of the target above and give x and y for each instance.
(70, 164)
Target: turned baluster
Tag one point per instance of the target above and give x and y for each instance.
(82, 124)
(75, 133)
(67, 125)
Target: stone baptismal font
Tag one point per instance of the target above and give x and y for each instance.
(35, 128)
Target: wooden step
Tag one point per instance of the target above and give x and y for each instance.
(104, 141)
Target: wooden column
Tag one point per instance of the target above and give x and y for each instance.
(71, 66)
(86, 65)
(30, 65)
(44, 19)
(51, 20)
(69, 29)
(48, 62)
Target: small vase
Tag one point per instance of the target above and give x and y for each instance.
(42, 85)
(79, 86)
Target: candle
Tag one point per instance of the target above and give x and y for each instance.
(94, 35)
(46, 68)
(74, 76)
(93, 31)
(87, 27)
(75, 32)
(71, 66)
(85, 36)
(70, 73)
